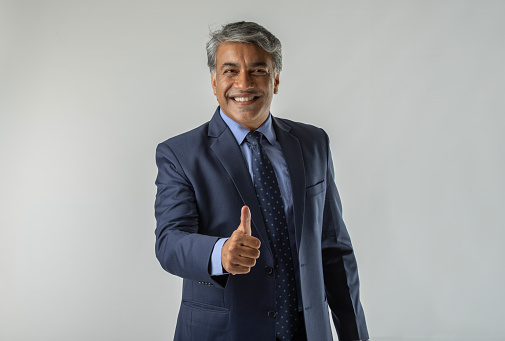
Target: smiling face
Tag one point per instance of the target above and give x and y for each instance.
(244, 83)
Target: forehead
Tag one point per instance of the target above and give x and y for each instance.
(242, 54)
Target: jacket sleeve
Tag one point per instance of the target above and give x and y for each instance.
(180, 248)
(340, 268)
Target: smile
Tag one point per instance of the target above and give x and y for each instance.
(244, 99)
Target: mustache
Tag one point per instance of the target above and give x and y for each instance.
(246, 92)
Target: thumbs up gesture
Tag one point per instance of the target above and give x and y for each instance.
(241, 250)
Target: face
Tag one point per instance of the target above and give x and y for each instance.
(244, 83)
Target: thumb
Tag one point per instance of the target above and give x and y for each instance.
(245, 220)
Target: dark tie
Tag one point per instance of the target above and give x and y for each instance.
(272, 207)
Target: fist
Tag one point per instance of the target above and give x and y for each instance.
(241, 250)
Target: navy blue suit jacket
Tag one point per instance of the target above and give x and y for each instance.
(203, 182)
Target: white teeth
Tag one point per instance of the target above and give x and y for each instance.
(243, 99)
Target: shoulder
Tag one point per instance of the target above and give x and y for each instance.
(198, 137)
(187, 141)
(301, 130)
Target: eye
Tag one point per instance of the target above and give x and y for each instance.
(229, 71)
(259, 72)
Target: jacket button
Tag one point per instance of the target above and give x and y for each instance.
(272, 314)
(269, 270)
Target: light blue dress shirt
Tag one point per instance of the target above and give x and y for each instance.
(276, 156)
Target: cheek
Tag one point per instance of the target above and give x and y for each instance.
(224, 86)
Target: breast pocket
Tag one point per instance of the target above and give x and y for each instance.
(315, 189)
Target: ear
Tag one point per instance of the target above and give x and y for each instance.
(276, 83)
(213, 82)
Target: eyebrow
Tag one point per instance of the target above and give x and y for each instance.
(228, 64)
(256, 64)
(259, 64)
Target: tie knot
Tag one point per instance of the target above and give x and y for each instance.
(254, 138)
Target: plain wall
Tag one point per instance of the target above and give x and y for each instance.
(412, 94)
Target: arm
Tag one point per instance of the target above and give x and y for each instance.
(180, 249)
(340, 268)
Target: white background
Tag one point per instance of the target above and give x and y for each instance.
(412, 94)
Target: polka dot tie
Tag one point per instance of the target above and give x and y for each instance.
(272, 207)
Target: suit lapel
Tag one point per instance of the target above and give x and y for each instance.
(294, 160)
(226, 149)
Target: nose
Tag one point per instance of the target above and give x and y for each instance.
(244, 81)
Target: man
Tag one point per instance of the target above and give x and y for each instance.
(248, 213)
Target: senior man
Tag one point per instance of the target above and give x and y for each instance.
(248, 213)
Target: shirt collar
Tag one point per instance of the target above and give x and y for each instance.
(240, 132)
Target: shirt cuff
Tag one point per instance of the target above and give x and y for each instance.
(216, 268)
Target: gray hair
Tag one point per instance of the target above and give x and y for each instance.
(244, 32)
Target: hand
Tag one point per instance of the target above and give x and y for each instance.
(241, 250)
